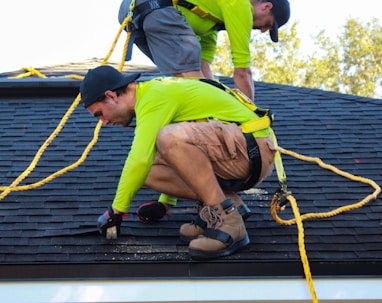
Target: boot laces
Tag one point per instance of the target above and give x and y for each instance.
(211, 216)
(199, 205)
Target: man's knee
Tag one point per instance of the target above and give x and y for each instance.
(170, 136)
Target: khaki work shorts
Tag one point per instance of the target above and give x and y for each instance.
(224, 144)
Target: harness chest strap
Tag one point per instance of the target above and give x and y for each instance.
(143, 9)
(196, 10)
(146, 7)
(247, 127)
(264, 121)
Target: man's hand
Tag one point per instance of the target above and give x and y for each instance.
(109, 220)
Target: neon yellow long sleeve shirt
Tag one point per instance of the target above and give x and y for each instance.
(237, 16)
(163, 101)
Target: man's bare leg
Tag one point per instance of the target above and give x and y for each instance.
(226, 233)
(190, 163)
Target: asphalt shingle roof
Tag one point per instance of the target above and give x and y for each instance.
(53, 226)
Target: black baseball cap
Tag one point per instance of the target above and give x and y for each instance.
(281, 12)
(100, 79)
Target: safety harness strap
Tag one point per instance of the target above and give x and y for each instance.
(143, 9)
(265, 120)
(200, 12)
(254, 161)
(278, 161)
(151, 5)
(256, 125)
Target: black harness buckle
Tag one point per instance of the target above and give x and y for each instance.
(143, 9)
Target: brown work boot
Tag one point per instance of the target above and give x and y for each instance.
(224, 235)
(190, 231)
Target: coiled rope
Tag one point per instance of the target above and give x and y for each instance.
(275, 205)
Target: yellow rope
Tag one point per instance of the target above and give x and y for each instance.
(337, 171)
(29, 169)
(62, 171)
(30, 72)
(78, 77)
(299, 218)
(120, 30)
(301, 245)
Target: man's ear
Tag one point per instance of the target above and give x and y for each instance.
(111, 95)
(267, 6)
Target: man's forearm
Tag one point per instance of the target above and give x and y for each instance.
(244, 82)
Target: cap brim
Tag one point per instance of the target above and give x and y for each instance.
(126, 80)
(274, 32)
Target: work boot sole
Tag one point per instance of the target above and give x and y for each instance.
(204, 255)
(187, 239)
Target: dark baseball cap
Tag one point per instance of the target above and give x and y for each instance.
(100, 79)
(281, 12)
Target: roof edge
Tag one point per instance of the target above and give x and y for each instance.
(191, 269)
(39, 87)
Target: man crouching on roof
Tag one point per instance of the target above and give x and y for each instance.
(206, 161)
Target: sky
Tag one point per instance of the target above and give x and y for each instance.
(38, 33)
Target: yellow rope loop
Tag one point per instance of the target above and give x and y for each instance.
(30, 72)
(299, 218)
(336, 211)
(41, 150)
(64, 170)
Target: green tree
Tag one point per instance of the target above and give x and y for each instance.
(277, 63)
(222, 64)
(323, 65)
(281, 62)
(351, 64)
(362, 57)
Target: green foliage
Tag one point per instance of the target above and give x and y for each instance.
(222, 64)
(362, 51)
(351, 64)
(323, 65)
(280, 62)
